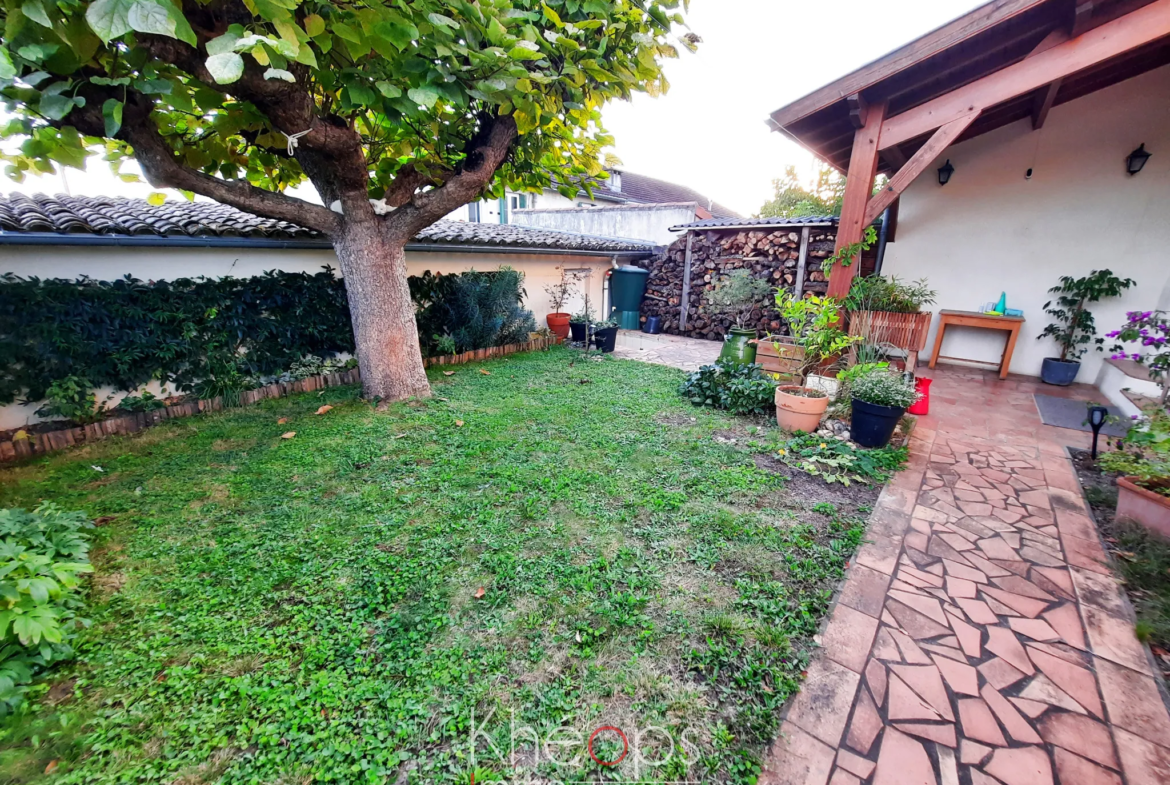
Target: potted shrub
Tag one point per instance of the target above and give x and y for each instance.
(579, 322)
(1143, 460)
(1073, 326)
(879, 399)
(813, 323)
(887, 312)
(605, 335)
(558, 295)
(736, 295)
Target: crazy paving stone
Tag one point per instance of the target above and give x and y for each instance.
(875, 677)
(972, 752)
(977, 722)
(925, 577)
(1036, 629)
(822, 705)
(842, 777)
(865, 726)
(988, 568)
(905, 704)
(927, 683)
(1074, 769)
(970, 638)
(964, 571)
(1086, 554)
(941, 733)
(1024, 605)
(903, 761)
(1017, 567)
(854, 764)
(914, 623)
(1022, 766)
(1017, 585)
(1050, 586)
(948, 769)
(1066, 621)
(848, 637)
(1013, 722)
(999, 673)
(1031, 709)
(1142, 763)
(1133, 702)
(974, 527)
(884, 647)
(1001, 641)
(945, 651)
(924, 605)
(1041, 690)
(959, 676)
(910, 651)
(797, 759)
(958, 587)
(1077, 682)
(997, 548)
(1077, 733)
(977, 611)
(1038, 556)
(998, 607)
(865, 590)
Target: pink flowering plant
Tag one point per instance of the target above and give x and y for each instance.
(1150, 330)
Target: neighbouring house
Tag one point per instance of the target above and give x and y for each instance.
(106, 238)
(630, 204)
(1037, 105)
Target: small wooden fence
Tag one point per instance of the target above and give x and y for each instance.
(26, 445)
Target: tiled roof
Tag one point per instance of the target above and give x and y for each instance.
(638, 188)
(123, 217)
(762, 223)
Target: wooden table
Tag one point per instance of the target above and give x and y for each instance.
(985, 321)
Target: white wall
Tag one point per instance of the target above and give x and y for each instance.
(990, 230)
(635, 222)
(108, 263)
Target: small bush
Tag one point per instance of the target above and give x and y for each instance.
(835, 460)
(878, 293)
(739, 389)
(42, 555)
(147, 402)
(73, 399)
(883, 388)
(476, 310)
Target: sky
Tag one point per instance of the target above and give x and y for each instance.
(708, 131)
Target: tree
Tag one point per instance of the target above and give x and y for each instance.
(792, 199)
(396, 112)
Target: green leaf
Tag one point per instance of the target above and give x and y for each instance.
(55, 107)
(226, 67)
(423, 96)
(387, 89)
(396, 33)
(36, 12)
(314, 25)
(7, 70)
(525, 50)
(109, 18)
(112, 115)
(442, 21)
(156, 198)
(360, 95)
(279, 73)
(347, 32)
(224, 43)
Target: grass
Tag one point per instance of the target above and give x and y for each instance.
(374, 598)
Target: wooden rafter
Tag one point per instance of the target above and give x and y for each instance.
(942, 139)
(1143, 26)
(1042, 102)
(858, 186)
(858, 110)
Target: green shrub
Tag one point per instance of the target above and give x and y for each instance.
(836, 460)
(1144, 454)
(878, 293)
(146, 402)
(42, 555)
(476, 310)
(739, 389)
(880, 387)
(73, 399)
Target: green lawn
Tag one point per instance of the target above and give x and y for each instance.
(308, 610)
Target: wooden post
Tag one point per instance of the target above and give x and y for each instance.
(862, 169)
(802, 263)
(684, 301)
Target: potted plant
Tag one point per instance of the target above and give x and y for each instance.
(558, 295)
(580, 321)
(887, 312)
(813, 325)
(605, 335)
(880, 398)
(1073, 326)
(1143, 460)
(736, 295)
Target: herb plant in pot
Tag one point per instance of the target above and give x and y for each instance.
(579, 322)
(558, 295)
(605, 335)
(880, 398)
(1073, 326)
(736, 295)
(814, 324)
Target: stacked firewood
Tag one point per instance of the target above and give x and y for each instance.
(769, 254)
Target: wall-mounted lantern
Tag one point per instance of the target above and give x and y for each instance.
(1136, 160)
(944, 172)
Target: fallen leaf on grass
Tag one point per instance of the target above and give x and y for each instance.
(103, 520)
(400, 436)
(459, 423)
(324, 409)
(448, 373)
(288, 435)
(282, 421)
(442, 399)
(479, 593)
(485, 371)
(51, 767)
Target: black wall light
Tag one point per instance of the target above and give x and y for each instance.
(944, 172)
(1136, 160)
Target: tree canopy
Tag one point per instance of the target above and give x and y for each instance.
(792, 198)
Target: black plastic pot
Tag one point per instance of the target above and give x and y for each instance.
(577, 330)
(605, 339)
(873, 425)
(1059, 372)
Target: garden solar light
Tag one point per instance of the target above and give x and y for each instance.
(945, 171)
(1097, 417)
(1136, 160)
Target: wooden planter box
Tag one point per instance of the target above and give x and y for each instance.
(778, 354)
(907, 331)
(1139, 504)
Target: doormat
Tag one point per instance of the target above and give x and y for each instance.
(1074, 414)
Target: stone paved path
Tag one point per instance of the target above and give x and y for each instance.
(689, 354)
(979, 637)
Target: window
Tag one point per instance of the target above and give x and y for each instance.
(473, 212)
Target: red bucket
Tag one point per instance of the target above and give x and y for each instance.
(923, 405)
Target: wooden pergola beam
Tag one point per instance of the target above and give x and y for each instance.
(1143, 26)
(858, 110)
(1042, 102)
(863, 165)
(942, 139)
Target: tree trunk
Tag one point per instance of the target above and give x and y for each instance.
(382, 312)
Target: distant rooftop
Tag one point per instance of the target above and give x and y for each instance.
(758, 223)
(631, 187)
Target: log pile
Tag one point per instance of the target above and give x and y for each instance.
(770, 254)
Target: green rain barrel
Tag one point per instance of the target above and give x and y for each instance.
(627, 287)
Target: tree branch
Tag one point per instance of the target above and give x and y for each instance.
(163, 169)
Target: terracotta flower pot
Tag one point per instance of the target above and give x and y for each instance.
(1150, 509)
(559, 324)
(799, 408)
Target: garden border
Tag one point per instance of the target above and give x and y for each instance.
(30, 445)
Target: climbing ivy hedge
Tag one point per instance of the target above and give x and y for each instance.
(124, 333)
